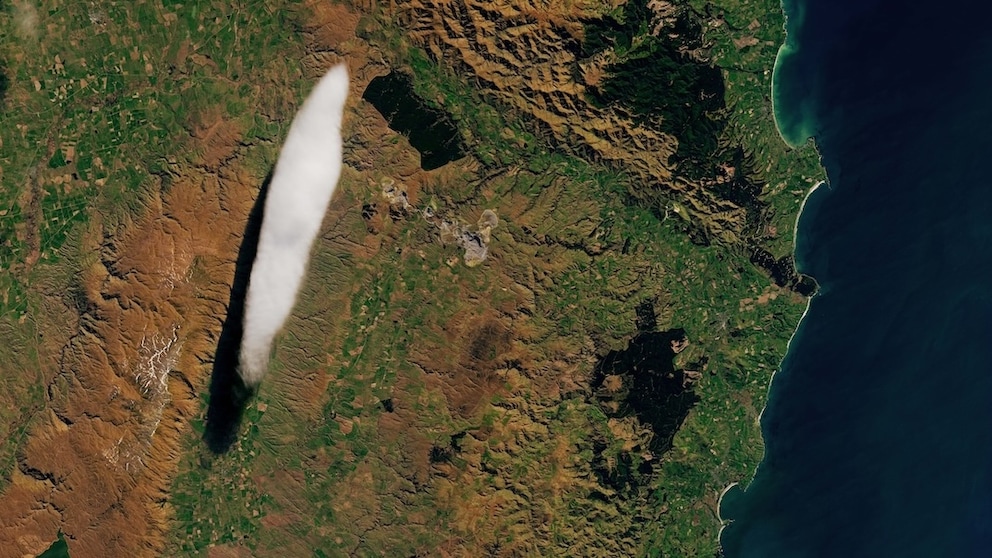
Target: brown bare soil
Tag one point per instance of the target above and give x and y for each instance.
(524, 52)
(98, 465)
(484, 446)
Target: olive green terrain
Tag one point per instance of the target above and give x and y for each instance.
(529, 466)
(99, 101)
(414, 405)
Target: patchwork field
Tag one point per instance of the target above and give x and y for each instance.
(557, 343)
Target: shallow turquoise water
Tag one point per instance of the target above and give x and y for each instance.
(879, 425)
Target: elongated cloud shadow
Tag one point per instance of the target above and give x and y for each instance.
(303, 183)
(228, 393)
(4, 84)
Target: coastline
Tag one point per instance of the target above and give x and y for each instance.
(670, 510)
(794, 15)
(898, 250)
(724, 522)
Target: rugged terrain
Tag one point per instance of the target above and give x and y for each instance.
(466, 370)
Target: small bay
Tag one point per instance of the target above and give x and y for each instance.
(878, 429)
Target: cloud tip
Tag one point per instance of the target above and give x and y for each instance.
(338, 72)
(333, 88)
(302, 185)
(250, 377)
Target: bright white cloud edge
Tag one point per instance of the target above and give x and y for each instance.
(302, 185)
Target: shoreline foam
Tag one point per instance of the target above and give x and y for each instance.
(724, 522)
(788, 48)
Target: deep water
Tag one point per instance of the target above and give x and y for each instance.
(878, 429)
(430, 131)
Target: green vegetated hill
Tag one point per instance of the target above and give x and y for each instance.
(494, 409)
(98, 103)
(589, 388)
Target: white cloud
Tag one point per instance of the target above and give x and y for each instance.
(304, 180)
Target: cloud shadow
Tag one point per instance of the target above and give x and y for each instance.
(229, 395)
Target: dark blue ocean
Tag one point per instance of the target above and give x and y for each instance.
(878, 430)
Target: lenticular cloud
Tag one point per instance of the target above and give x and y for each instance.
(303, 182)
